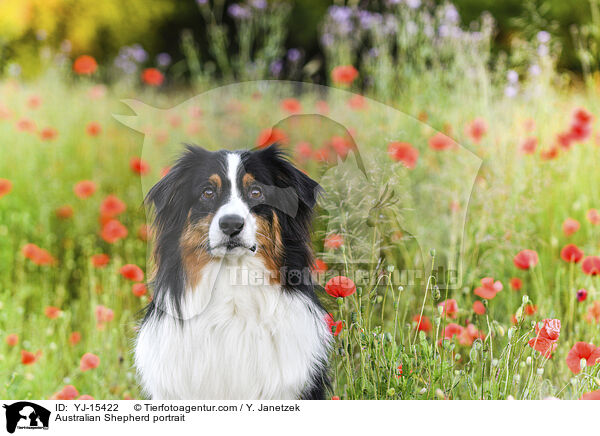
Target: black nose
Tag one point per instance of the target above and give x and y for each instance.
(231, 225)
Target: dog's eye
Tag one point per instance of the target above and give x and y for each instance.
(255, 192)
(208, 194)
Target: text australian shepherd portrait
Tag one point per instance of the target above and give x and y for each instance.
(234, 314)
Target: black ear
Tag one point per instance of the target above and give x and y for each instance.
(164, 194)
(287, 175)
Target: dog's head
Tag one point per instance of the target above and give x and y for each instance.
(225, 205)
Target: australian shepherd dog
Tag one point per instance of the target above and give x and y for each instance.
(234, 314)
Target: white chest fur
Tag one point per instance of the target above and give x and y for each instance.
(238, 341)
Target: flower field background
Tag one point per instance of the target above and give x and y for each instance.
(524, 322)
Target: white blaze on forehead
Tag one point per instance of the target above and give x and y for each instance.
(233, 163)
(234, 205)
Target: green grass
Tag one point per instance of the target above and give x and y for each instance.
(518, 202)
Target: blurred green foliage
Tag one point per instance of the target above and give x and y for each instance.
(101, 28)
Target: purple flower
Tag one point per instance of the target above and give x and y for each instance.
(542, 50)
(413, 4)
(340, 13)
(535, 70)
(327, 40)
(451, 14)
(511, 91)
(259, 4)
(163, 59)
(293, 55)
(238, 11)
(276, 67)
(201, 2)
(512, 76)
(138, 53)
(543, 37)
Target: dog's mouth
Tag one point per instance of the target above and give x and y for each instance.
(232, 244)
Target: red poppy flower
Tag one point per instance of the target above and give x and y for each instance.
(340, 286)
(132, 272)
(570, 226)
(440, 142)
(112, 206)
(593, 313)
(399, 371)
(488, 288)
(303, 150)
(357, 102)
(100, 260)
(93, 128)
(12, 339)
(139, 166)
(549, 153)
(84, 189)
(34, 102)
(546, 337)
(580, 132)
(582, 116)
(468, 334)
(595, 395)
(37, 255)
(450, 308)
(85, 65)
(48, 133)
(516, 283)
(531, 309)
(52, 312)
(319, 266)
(89, 361)
(335, 327)
(112, 231)
(591, 265)
(344, 74)
(526, 259)
(528, 145)
(103, 315)
(476, 129)
(593, 216)
(341, 145)
(25, 125)
(5, 187)
(69, 392)
(582, 350)
(322, 155)
(143, 232)
(479, 308)
(571, 253)
(85, 397)
(270, 136)
(291, 105)
(565, 140)
(333, 241)
(152, 77)
(139, 289)
(74, 338)
(335, 397)
(581, 295)
(451, 330)
(423, 323)
(29, 358)
(403, 152)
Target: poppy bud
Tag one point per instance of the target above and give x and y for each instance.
(517, 378)
(359, 291)
(432, 252)
(457, 357)
(511, 332)
(436, 293)
(390, 268)
(391, 392)
(528, 360)
(400, 288)
(540, 371)
(379, 298)
(340, 301)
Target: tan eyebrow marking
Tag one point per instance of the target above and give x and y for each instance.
(216, 180)
(247, 179)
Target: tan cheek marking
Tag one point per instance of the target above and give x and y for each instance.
(194, 250)
(271, 246)
(247, 180)
(215, 179)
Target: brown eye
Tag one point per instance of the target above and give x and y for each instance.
(255, 192)
(208, 194)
